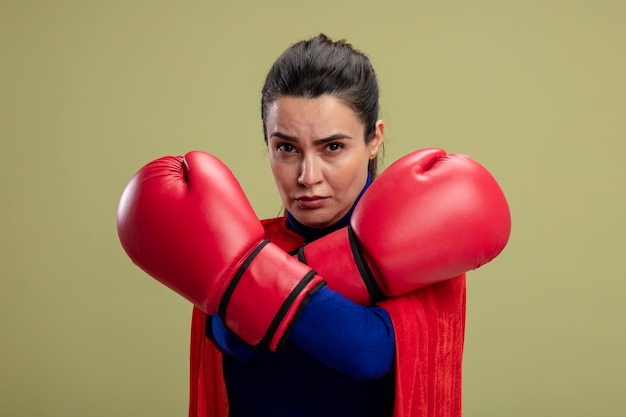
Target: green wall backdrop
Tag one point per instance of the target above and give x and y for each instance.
(92, 90)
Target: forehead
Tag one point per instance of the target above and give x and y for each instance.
(322, 113)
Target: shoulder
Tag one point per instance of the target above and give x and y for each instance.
(277, 232)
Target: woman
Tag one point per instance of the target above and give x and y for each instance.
(373, 324)
(323, 135)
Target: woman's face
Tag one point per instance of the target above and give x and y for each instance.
(318, 156)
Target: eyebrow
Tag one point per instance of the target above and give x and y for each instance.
(331, 138)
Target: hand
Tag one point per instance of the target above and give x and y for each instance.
(428, 217)
(188, 224)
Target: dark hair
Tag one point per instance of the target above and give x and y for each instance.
(318, 66)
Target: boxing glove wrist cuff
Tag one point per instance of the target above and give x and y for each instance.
(266, 295)
(374, 290)
(340, 260)
(237, 277)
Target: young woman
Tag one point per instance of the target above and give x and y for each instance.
(320, 113)
(322, 132)
(360, 331)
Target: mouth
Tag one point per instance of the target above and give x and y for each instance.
(310, 202)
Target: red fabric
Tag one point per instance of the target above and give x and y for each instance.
(429, 326)
(207, 390)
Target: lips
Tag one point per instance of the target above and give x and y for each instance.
(310, 202)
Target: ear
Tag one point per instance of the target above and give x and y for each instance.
(377, 140)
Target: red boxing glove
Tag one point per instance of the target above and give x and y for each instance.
(188, 224)
(428, 217)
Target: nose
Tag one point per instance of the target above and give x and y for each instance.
(310, 171)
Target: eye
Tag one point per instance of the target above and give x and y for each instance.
(334, 146)
(285, 147)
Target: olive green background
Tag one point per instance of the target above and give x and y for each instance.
(92, 90)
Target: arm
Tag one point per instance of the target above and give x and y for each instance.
(428, 217)
(226, 341)
(355, 340)
(188, 224)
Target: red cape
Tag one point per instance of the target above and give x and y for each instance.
(429, 326)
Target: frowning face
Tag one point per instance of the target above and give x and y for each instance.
(318, 156)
